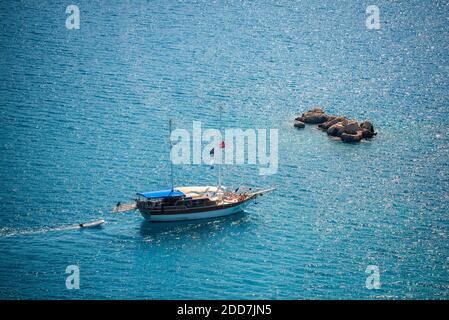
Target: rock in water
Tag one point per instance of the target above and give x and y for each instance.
(314, 117)
(299, 124)
(330, 122)
(336, 130)
(368, 134)
(352, 127)
(367, 129)
(367, 125)
(348, 137)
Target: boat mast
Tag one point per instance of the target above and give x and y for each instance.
(171, 162)
(221, 156)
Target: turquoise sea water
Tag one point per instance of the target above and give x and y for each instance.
(84, 122)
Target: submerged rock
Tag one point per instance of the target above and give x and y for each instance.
(348, 137)
(368, 134)
(299, 124)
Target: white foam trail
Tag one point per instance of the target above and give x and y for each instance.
(4, 232)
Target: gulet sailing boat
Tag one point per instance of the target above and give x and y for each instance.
(192, 202)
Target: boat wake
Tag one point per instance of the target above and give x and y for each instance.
(7, 232)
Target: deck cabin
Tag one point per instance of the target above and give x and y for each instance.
(173, 200)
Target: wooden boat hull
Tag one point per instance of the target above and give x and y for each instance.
(222, 211)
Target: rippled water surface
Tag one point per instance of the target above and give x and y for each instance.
(84, 122)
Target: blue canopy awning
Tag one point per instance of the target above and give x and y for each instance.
(161, 194)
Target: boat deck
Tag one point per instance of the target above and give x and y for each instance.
(124, 207)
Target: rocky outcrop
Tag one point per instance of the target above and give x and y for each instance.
(336, 126)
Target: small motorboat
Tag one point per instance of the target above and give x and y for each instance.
(191, 203)
(91, 224)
